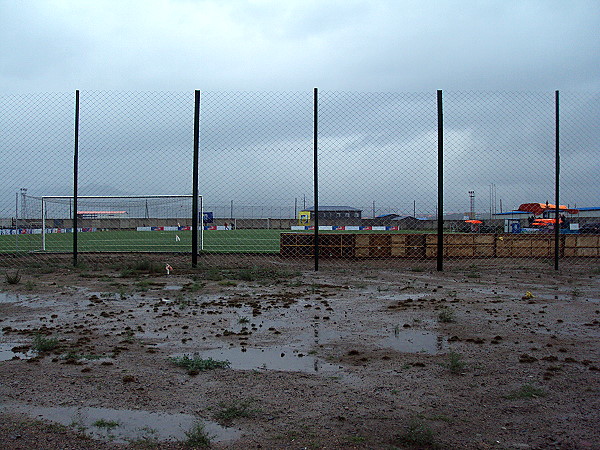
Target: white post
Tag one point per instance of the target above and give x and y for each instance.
(43, 224)
(201, 223)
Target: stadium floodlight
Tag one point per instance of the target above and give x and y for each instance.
(150, 223)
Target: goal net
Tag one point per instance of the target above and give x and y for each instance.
(141, 223)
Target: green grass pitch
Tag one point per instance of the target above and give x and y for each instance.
(244, 241)
(219, 241)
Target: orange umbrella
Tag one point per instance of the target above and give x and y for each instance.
(473, 221)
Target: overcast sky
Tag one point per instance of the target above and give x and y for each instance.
(257, 149)
(375, 45)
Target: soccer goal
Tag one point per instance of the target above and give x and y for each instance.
(134, 223)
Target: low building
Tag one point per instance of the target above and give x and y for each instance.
(336, 212)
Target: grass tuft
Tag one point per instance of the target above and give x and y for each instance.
(446, 315)
(107, 424)
(197, 364)
(455, 362)
(12, 278)
(234, 410)
(417, 433)
(197, 436)
(527, 391)
(43, 344)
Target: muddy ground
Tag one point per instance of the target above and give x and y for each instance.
(347, 357)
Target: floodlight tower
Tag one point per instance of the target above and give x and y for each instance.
(23, 202)
(472, 203)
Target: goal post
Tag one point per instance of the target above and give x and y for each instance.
(134, 223)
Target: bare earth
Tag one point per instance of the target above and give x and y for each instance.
(343, 358)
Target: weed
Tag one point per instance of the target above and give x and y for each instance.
(526, 391)
(575, 293)
(78, 423)
(234, 410)
(107, 424)
(418, 433)
(42, 344)
(12, 278)
(418, 269)
(356, 439)
(193, 287)
(446, 315)
(142, 266)
(197, 436)
(127, 273)
(129, 336)
(183, 302)
(29, 285)
(261, 274)
(87, 275)
(455, 362)
(214, 274)
(143, 285)
(145, 265)
(227, 283)
(71, 357)
(146, 439)
(197, 364)
(243, 320)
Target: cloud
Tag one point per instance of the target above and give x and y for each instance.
(273, 45)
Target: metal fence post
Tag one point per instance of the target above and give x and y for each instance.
(195, 179)
(316, 174)
(440, 170)
(75, 176)
(557, 183)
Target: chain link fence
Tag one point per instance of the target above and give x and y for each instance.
(300, 176)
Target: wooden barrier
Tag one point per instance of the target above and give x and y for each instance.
(419, 246)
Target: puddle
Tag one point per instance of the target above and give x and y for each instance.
(6, 353)
(9, 297)
(415, 341)
(122, 426)
(172, 288)
(271, 358)
(401, 297)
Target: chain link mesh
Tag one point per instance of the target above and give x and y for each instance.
(377, 175)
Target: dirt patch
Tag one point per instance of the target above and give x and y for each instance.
(340, 358)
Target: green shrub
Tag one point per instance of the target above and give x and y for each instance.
(197, 364)
(42, 344)
(197, 436)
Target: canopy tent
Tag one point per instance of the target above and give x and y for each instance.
(539, 208)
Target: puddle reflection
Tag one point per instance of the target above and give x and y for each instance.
(416, 341)
(122, 426)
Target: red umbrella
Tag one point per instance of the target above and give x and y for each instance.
(473, 221)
